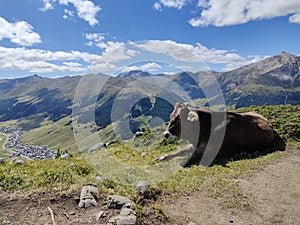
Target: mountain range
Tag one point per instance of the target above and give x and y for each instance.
(272, 81)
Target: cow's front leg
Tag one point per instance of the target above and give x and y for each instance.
(180, 152)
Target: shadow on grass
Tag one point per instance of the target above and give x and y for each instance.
(278, 144)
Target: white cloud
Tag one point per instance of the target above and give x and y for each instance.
(178, 4)
(72, 64)
(47, 5)
(193, 54)
(157, 6)
(45, 61)
(94, 38)
(295, 18)
(42, 61)
(189, 53)
(40, 66)
(85, 9)
(116, 55)
(151, 66)
(20, 33)
(231, 12)
(176, 50)
(68, 14)
(116, 51)
(112, 51)
(46, 67)
(101, 67)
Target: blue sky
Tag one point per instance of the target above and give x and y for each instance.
(67, 37)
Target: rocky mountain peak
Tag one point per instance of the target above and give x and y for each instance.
(286, 54)
(135, 74)
(280, 70)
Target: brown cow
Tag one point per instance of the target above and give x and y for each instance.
(217, 132)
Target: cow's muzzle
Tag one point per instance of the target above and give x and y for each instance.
(167, 134)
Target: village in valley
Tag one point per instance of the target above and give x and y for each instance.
(13, 142)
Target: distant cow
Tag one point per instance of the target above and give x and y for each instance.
(235, 132)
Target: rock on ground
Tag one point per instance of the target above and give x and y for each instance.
(87, 199)
(142, 187)
(126, 217)
(65, 156)
(19, 162)
(100, 215)
(118, 202)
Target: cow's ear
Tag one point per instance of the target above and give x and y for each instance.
(193, 116)
(181, 105)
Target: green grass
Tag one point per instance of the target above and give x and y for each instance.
(54, 135)
(59, 173)
(4, 151)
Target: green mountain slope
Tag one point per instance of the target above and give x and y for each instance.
(275, 80)
(36, 96)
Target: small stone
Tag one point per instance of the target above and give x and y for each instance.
(127, 212)
(100, 178)
(6, 222)
(100, 215)
(126, 217)
(19, 162)
(72, 213)
(65, 156)
(1, 161)
(144, 154)
(97, 146)
(142, 187)
(118, 202)
(87, 203)
(191, 223)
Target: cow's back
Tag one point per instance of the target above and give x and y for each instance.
(246, 132)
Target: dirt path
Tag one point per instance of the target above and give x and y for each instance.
(270, 196)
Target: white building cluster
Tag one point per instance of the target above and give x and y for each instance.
(15, 136)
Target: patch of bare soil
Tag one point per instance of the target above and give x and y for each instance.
(57, 208)
(32, 208)
(270, 196)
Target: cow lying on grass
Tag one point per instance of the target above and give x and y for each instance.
(218, 132)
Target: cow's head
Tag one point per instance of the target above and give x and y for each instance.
(184, 122)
